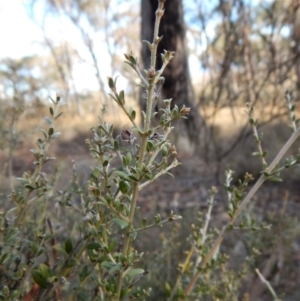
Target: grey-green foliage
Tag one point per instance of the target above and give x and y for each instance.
(95, 258)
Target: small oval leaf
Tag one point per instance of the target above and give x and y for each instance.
(69, 245)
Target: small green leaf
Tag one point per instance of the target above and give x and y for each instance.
(157, 218)
(40, 251)
(39, 279)
(72, 262)
(132, 177)
(116, 145)
(41, 275)
(48, 119)
(132, 114)
(50, 131)
(4, 257)
(107, 264)
(110, 129)
(69, 245)
(22, 180)
(168, 289)
(149, 176)
(171, 175)
(164, 151)
(51, 111)
(274, 179)
(116, 268)
(30, 187)
(112, 245)
(123, 186)
(135, 272)
(180, 292)
(94, 246)
(144, 115)
(264, 154)
(120, 223)
(133, 235)
(124, 161)
(111, 83)
(153, 114)
(147, 43)
(121, 98)
(175, 111)
(58, 115)
(45, 134)
(113, 97)
(55, 135)
(84, 273)
(128, 158)
(122, 175)
(150, 146)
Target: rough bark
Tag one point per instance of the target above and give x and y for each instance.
(177, 78)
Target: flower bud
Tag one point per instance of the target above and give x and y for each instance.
(184, 110)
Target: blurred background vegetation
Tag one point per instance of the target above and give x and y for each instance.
(228, 53)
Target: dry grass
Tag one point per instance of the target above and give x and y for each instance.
(71, 122)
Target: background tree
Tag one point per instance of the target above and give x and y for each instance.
(247, 54)
(99, 28)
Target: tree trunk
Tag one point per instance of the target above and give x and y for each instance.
(177, 78)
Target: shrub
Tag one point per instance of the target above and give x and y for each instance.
(79, 243)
